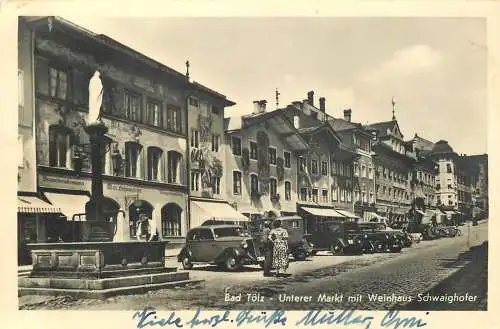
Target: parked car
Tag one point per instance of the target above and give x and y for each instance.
(384, 241)
(404, 237)
(227, 246)
(338, 237)
(298, 246)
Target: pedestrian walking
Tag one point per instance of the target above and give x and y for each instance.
(268, 249)
(279, 236)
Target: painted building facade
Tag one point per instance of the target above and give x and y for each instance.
(144, 108)
(262, 152)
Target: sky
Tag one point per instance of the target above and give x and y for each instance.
(435, 68)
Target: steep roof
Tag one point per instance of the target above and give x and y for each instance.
(441, 147)
(382, 127)
(341, 124)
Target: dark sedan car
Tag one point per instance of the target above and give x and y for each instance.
(226, 246)
(385, 241)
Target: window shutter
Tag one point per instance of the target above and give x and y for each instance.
(42, 75)
(118, 108)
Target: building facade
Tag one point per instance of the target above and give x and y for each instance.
(355, 137)
(395, 193)
(480, 190)
(325, 174)
(262, 151)
(145, 107)
(206, 160)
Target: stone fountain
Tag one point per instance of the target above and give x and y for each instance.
(96, 266)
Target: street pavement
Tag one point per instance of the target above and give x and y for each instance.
(377, 281)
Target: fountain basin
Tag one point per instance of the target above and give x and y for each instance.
(97, 259)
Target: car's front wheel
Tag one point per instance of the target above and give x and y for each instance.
(186, 263)
(232, 264)
(379, 246)
(336, 249)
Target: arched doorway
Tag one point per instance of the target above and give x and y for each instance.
(171, 220)
(137, 208)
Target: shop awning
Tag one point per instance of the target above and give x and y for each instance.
(70, 204)
(323, 212)
(420, 212)
(218, 210)
(369, 216)
(35, 205)
(347, 213)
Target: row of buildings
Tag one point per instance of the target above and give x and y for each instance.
(173, 153)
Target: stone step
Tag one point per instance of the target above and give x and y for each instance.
(102, 284)
(101, 294)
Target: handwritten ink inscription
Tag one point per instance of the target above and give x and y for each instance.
(392, 319)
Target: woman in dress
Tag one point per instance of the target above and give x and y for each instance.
(279, 236)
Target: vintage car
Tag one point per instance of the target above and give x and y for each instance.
(227, 246)
(385, 241)
(338, 237)
(298, 245)
(404, 237)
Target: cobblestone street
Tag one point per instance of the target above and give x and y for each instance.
(396, 279)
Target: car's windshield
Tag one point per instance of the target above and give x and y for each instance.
(222, 232)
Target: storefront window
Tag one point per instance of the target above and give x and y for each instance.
(171, 220)
(135, 210)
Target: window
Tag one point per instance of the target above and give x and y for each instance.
(171, 220)
(236, 182)
(370, 173)
(236, 144)
(195, 138)
(449, 186)
(59, 147)
(272, 156)
(204, 109)
(324, 168)
(253, 151)
(303, 194)
(356, 169)
(215, 143)
(20, 87)
(174, 160)
(153, 114)
(334, 167)
(132, 106)
(438, 186)
(215, 185)
(216, 110)
(315, 195)
(254, 184)
(173, 120)
(193, 101)
(349, 196)
(195, 180)
(324, 196)
(58, 83)
(133, 159)
(448, 168)
(363, 171)
(334, 194)
(154, 164)
(302, 164)
(288, 159)
(273, 187)
(288, 191)
(314, 167)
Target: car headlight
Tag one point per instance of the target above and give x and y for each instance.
(312, 245)
(366, 236)
(244, 245)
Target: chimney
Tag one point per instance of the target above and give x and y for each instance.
(310, 98)
(259, 106)
(347, 115)
(322, 104)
